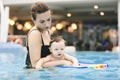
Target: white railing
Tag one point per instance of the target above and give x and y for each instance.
(4, 22)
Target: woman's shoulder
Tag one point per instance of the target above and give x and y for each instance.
(34, 31)
(34, 36)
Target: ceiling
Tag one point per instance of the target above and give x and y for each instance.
(81, 9)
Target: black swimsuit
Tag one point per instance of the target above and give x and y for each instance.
(44, 52)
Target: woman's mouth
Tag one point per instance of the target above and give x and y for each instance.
(47, 27)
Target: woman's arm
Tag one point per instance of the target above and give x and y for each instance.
(39, 64)
(34, 43)
(57, 63)
(73, 59)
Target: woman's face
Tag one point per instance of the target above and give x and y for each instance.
(43, 20)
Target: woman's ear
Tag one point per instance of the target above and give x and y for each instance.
(33, 17)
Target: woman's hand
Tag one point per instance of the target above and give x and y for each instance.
(67, 63)
(57, 63)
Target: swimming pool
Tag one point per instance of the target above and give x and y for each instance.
(12, 63)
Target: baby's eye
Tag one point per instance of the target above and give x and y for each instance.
(62, 49)
(56, 49)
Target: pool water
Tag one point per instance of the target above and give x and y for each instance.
(12, 67)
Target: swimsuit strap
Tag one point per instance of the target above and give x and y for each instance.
(42, 37)
(28, 34)
(48, 32)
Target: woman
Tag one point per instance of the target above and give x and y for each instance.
(38, 38)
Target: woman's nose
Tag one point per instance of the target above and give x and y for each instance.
(47, 24)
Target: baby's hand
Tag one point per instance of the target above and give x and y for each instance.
(76, 65)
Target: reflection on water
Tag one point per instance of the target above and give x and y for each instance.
(12, 68)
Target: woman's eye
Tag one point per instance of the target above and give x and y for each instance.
(42, 21)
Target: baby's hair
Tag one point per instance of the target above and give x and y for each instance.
(57, 39)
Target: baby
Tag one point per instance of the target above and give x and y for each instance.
(57, 46)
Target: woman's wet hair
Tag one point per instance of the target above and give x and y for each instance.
(38, 8)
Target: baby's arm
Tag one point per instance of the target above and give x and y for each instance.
(72, 59)
(39, 64)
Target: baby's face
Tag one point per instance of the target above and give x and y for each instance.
(57, 49)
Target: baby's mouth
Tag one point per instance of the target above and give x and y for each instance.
(59, 54)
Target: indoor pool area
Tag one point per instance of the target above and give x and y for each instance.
(12, 59)
(90, 30)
